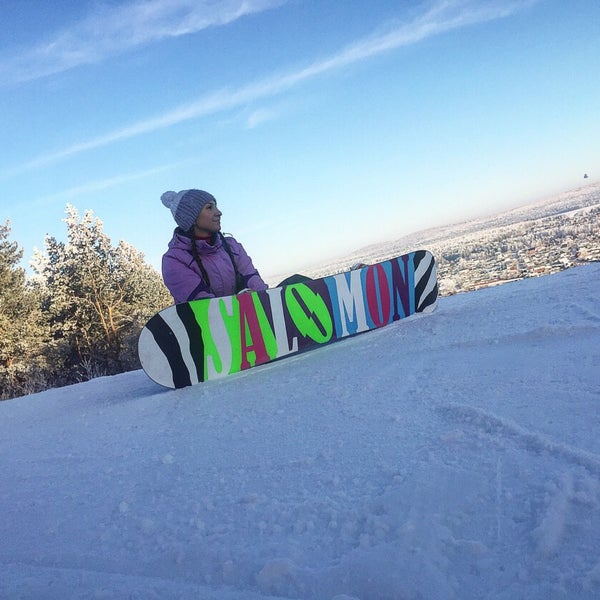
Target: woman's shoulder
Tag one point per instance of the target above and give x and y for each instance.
(228, 240)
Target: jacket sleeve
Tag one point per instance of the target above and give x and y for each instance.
(250, 276)
(182, 280)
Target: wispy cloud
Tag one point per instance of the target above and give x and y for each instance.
(443, 16)
(262, 115)
(101, 184)
(112, 30)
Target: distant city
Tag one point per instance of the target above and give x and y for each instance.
(556, 234)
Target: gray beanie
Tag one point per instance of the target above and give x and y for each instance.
(186, 205)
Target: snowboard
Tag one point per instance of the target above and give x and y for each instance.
(207, 339)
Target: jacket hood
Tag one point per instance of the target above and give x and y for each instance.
(182, 240)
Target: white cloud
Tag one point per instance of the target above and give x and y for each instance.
(113, 30)
(263, 115)
(101, 184)
(443, 16)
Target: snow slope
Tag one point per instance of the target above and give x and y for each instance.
(453, 455)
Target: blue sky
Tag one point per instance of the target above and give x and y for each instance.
(320, 127)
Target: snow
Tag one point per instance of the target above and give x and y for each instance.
(452, 455)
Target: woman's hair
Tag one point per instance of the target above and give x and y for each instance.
(239, 285)
(196, 256)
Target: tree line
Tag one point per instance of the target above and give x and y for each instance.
(79, 314)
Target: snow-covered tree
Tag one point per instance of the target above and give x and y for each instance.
(98, 297)
(22, 327)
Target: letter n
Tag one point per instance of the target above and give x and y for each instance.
(403, 286)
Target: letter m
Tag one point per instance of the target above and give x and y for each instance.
(350, 316)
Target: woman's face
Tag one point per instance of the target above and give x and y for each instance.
(208, 220)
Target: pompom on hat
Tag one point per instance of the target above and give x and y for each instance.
(186, 205)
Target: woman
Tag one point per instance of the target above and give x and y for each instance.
(200, 261)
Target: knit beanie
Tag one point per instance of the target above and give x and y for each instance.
(186, 205)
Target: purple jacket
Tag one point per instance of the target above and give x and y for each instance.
(183, 276)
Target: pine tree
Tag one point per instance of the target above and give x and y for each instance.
(98, 297)
(22, 327)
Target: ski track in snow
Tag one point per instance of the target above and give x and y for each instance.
(451, 455)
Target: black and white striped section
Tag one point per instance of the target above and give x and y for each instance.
(426, 286)
(165, 348)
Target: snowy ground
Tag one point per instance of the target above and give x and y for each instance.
(454, 455)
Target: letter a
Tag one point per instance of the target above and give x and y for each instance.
(249, 325)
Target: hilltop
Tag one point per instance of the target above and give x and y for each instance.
(452, 455)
